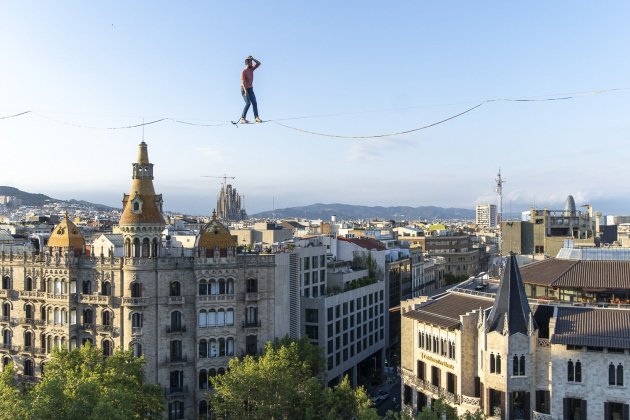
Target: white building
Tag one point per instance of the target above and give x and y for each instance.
(486, 215)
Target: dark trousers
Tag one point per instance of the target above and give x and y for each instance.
(249, 98)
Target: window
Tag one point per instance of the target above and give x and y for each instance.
(106, 288)
(6, 282)
(28, 284)
(106, 318)
(176, 350)
(574, 409)
(203, 379)
(229, 317)
(108, 348)
(251, 344)
(29, 368)
(312, 331)
(176, 321)
(29, 311)
(574, 371)
(136, 320)
(492, 363)
(86, 288)
(174, 289)
(306, 264)
(136, 349)
(203, 348)
(311, 315)
(421, 370)
(203, 409)
(252, 285)
(203, 288)
(175, 410)
(615, 374)
(518, 366)
(435, 376)
(136, 290)
(498, 364)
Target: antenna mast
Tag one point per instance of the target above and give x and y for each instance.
(499, 189)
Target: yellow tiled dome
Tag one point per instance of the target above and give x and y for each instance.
(66, 235)
(215, 234)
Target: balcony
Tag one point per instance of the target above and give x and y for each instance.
(136, 331)
(33, 349)
(252, 296)
(174, 391)
(57, 297)
(410, 378)
(175, 329)
(10, 348)
(135, 301)
(94, 299)
(28, 321)
(540, 416)
(251, 324)
(176, 300)
(86, 326)
(32, 294)
(108, 329)
(5, 293)
(215, 298)
(5, 319)
(181, 359)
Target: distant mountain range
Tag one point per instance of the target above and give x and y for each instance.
(354, 212)
(31, 199)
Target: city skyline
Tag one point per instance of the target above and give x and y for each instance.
(124, 64)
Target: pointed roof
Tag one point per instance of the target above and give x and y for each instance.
(142, 205)
(215, 234)
(510, 313)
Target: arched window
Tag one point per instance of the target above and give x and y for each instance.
(154, 248)
(214, 288)
(29, 369)
(28, 284)
(42, 365)
(106, 288)
(515, 370)
(230, 346)
(87, 341)
(6, 360)
(611, 374)
(492, 363)
(229, 317)
(146, 247)
(220, 317)
(108, 348)
(221, 286)
(136, 289)
(57, 316)
(212, 318)
(88, 317)
(128, 247)
(212, 373)
(63, 343)
(6, 282)
(176, 350)
(106, 318)
(203, 288)
(222, 347)
(619, 374)
(136, 349)
(229, 285)
(252, 285)
(6, 311)
(29, 312)
(174, 289)
(43, 312)
(136, 320)
(203, 348)
(498, 363)
(28, 340)
(203, 379)
(202, 319)
(578, 371)
(136, 247)
(521, 366)
(176, 321)
(64, 316)
(203, 408)
(87, 287)
(212, 345)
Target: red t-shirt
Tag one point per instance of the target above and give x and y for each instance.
(247, 76)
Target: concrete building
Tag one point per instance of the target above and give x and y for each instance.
(187, 314)
(460, 256)
(515, 359)
(486, 215)
(544, 231)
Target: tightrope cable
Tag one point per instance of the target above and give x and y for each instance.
(376, 136)
(14, 115)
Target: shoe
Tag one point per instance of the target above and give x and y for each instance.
(258, 120)
(243, 121)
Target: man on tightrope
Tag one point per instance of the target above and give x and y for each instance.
(247, 89)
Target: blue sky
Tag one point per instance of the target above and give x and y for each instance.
(377, 66)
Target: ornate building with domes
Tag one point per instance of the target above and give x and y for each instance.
(187, 315)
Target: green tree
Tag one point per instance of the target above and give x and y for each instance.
(81, 384)
(284, 383)
(11, 400)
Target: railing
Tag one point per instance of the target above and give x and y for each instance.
(176, 359)
(134, 301)
(57, 296)
(5, 319)
(176, 300)
(434, 389)
(213, 298)
(98, 299)
(33, 349)
(136, 330)
(32, 294)
(250, 296)
(540, 416)
(11, 348)
(28, 378)
(175, 329)
(176, 390)
(4, 292)
(106, 328)
(544, 342)
(28, 321)
(251, 324)
(87, 326)
(474, 401)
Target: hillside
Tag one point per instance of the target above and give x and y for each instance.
(32, 199)
(353, 212)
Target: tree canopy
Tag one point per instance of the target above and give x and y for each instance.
(285, 383)
(81, 384)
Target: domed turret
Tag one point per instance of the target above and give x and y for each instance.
(67, 235)
(215, 235)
